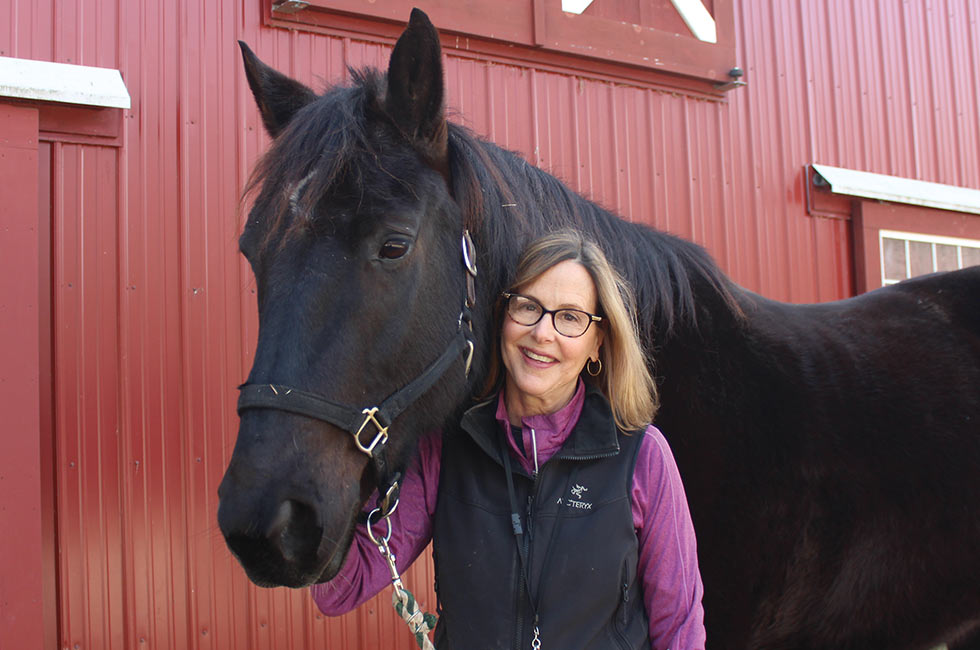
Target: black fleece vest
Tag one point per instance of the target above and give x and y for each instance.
(578, 527)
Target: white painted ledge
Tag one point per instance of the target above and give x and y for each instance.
(897, 189)
(62, 82)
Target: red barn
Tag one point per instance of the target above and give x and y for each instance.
(127, 317)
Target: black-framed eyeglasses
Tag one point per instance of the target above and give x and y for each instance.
(525, 310)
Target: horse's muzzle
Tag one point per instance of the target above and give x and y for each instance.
(281, 550)
(286, 524)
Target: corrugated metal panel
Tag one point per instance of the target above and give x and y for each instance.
(87, 393)
(26, 496)
(154, 310)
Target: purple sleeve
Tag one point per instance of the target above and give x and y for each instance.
(668, 562)
(365, 571)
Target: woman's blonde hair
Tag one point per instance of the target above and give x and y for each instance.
(624, 378)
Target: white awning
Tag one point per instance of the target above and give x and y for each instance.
(62, 82)
(897, 189)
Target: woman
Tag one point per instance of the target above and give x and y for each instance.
(556, 511)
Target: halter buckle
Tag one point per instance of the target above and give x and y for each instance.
(380, 437)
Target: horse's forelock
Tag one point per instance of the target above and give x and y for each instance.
(330, 143)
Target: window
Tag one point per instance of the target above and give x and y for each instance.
(906, 255)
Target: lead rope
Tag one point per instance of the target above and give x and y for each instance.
(418, 621)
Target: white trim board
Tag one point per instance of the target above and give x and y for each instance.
(697, 19)
(62, 82)
(575, 6)
(898, 190)
(929, 239)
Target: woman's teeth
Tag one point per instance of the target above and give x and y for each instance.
(537, 357)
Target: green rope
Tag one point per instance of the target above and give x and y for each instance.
(421, 622)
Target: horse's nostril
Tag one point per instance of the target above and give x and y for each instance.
(280, 522)
(295, 532)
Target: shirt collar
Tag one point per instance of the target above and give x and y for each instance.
(573, 432)
(551, 429)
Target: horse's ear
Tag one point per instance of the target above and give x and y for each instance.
(277, 96)
(415, 90)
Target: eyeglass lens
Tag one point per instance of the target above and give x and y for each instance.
(567, 322)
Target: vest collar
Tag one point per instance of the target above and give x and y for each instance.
(594, 435)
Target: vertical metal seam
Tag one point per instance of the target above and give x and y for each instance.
(910, 98)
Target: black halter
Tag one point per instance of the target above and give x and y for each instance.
(356, 421)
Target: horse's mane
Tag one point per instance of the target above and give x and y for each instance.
(510, 200)
(336, 141)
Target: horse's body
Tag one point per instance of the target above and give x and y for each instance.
(831, 452)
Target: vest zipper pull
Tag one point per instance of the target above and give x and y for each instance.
(625, 604)
(536, 641)
(534, 444)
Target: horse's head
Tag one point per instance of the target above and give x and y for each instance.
(354, 240)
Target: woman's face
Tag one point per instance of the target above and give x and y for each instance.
(542, 365)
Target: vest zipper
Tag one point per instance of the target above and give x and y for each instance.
(624, 608)
(519, 626)
(526, 543)
(626, 602)
(590, 457)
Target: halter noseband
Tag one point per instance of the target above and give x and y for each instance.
(374, 421)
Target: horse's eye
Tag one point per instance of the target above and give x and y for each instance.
(393, 249)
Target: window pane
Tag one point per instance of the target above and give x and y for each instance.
(946, 258)
(893, 251)
(921, 258)
(971, 256)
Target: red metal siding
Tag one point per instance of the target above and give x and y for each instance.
(153, 309)
(21, 390)
(87, 393)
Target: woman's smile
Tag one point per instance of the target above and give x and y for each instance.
(537, 358)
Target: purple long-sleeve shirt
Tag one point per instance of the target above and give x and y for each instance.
(667, 562)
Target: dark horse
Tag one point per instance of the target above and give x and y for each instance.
(831, 452)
